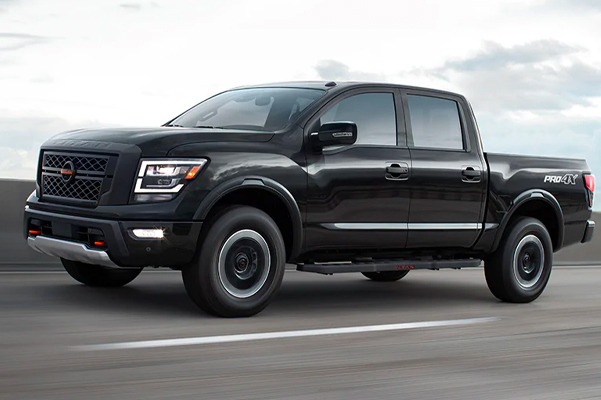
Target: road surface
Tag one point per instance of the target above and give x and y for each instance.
(450, 339)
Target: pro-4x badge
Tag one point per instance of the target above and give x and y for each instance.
(567, 179)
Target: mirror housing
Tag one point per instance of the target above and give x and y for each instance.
(335, 134)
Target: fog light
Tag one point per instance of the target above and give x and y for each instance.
(150, 198)
(148, 233)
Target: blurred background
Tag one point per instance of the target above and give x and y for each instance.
(532, 71)
(531, 68)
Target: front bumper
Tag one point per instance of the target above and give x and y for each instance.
(69, 250)
(588, 231)
(76, 238)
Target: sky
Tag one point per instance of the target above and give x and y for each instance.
(531, 69)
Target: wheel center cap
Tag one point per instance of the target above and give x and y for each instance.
(527, 263)
(241, 263)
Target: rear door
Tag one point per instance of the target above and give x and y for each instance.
(448, 173)
(358, 195)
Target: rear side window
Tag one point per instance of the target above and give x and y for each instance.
(435, 123)
(374, 114)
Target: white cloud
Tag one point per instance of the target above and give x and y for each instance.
(332, 70)
(10, 41)
(529, 66)
(21, 137)
(540, 76)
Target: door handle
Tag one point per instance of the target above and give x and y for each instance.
(471, 174)
(397, 171)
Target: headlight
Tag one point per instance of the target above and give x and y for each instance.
(161, 180)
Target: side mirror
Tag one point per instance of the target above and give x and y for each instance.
(335, 134)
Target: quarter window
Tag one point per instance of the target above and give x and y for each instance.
(374, 114)
(435, 122)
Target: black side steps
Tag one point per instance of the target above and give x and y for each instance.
(387, 265)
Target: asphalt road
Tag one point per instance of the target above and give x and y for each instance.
(550, 349)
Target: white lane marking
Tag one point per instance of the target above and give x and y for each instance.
(30, 272)
(54, 263)
(145, 344)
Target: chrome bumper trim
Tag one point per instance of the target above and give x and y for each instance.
(70, 251)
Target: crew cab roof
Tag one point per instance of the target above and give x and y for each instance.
(340, 85)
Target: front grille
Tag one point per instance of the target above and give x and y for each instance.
(86, 189)
(74, 178)
(82, 164)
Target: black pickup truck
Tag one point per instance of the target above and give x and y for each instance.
(379, 179)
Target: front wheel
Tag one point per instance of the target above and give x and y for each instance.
(240, 265)
(520, 269)
(99, 276)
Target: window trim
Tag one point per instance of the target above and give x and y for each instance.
(401, 130)
(462, 121)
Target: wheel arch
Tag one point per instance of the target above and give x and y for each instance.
(539, 204)
(272, 191)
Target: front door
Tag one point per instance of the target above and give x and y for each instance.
(358, 195)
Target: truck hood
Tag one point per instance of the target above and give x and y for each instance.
(157, 141)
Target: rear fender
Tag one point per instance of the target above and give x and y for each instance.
(524, 198)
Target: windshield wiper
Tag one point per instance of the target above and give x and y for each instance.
(178, 126)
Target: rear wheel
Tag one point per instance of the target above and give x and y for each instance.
(240, 265)
(385, 276)
(520, 269)
(99, 276)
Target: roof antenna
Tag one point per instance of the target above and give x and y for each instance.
(331, 84)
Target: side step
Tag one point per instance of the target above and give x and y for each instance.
(387, 265)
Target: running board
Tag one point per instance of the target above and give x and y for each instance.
(387, 265)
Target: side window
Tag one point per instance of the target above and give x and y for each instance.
(435, 122)
(374, 114)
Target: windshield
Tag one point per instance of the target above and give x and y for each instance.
(268, 109)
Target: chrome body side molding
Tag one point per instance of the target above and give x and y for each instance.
(401, 226)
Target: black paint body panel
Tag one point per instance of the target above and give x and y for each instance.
(513, 176)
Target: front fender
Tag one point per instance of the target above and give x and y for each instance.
(263, 183)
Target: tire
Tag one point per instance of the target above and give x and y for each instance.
(240, 265)
(99, 276)
(385, 276)
(520, 268)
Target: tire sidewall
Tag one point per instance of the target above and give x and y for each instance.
(230, 222)
(522, 228)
